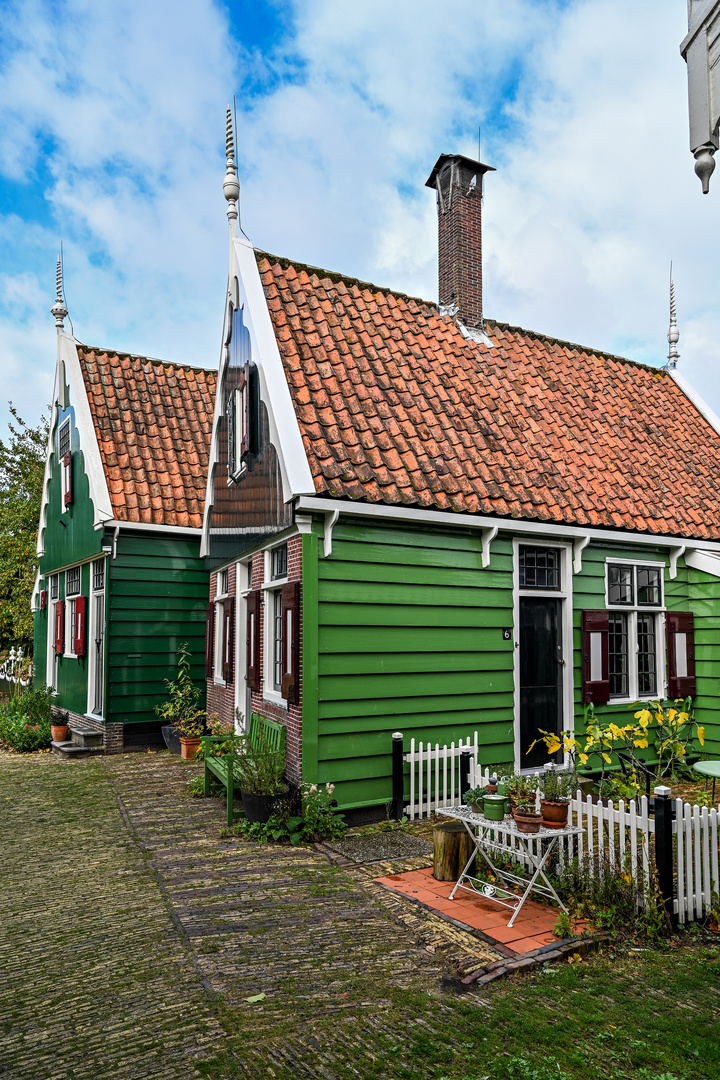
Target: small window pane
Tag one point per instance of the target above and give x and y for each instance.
(539, 568)
(64, 439)
(54, 587)
(647, 676)
(620, 584)
(222, 583)
(72, 581)
(648, 586)
(279, 562)
(277, 639)
(618, 654)
(98, 574)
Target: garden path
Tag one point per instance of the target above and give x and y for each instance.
(132, 935)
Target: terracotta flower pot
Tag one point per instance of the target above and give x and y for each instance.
(554, 814)
(59, 732)
(527, 823)
(188, 747)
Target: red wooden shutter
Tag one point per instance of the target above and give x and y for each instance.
(67, 472)
(244, 412)
(595, 666)
(681, 654)
(59, 626)
(228, 639)
(209, 640)
(43, 600)
(80, 614)
(252, 671)
(291, 642)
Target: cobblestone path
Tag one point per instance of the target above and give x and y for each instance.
(131, 937)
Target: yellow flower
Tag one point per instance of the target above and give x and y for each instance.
(607, 757)
(701, 735)
(583, 758)
(681, 751)
(640, 743)
(553, 744)
(672, 713)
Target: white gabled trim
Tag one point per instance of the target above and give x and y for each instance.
(246, 291)
(692, 395)
(707, 561)
(514, 525)
(146, 526)
(68, 369)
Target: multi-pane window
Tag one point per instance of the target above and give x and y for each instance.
(54, 581)
(222, 591)
(633, 654)
(98, 575)
(72, 581)
(64, 439)
(278, 565)
(277, 640)
(539, 568)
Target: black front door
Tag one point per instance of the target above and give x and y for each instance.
(541, 677)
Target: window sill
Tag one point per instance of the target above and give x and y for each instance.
(219, 682)
(274, 697)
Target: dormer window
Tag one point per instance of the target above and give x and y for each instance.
(242, 401)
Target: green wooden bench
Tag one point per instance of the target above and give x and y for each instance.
(225, 767)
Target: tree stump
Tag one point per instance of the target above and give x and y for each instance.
(452, 847)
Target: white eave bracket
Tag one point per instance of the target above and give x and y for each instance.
(488, 535)
(675, 554)
(579, 546)
(330, 522)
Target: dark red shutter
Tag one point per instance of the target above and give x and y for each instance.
(67, 467)
(244, 412)
(209, 640)
(291, 642)
(681, 654)
(252, 671)
(228, 637)
(80, 615)
(59, 626)
(43, 600)
(595, 664)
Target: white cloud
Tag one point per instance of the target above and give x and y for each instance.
(584, 113)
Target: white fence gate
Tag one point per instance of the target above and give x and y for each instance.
(618, 834)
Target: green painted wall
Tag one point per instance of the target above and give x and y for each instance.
(409, 638)
(156, 596)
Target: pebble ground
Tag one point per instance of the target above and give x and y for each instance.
(132, 935)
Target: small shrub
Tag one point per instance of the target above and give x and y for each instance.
(318, 821)
(25, 720)
(608, 895)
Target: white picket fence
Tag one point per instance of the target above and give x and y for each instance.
(435, 775)
(617, 834)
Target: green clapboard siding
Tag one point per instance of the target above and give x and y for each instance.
(157, 592)
(409, 639)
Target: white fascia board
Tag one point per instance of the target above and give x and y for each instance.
(512, 525)
(102, 507)
(212, 459)
(706, 561)
(274, 390)
(48, 473)
(692, 395)
(149, 526)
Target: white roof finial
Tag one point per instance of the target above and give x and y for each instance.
(231, 185)
(673, 333)
(58, 309)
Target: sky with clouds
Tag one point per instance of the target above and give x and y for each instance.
(112, 141)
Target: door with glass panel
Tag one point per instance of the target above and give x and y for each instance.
(541, 661)
(98, 644)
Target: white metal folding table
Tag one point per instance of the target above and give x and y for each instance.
(485, 837)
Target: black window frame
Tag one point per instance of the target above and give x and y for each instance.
(534, 567)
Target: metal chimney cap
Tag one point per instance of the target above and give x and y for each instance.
(469, 163)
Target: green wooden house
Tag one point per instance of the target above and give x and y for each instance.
(421, 520)
(121, 583)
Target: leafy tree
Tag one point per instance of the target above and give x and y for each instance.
(22, 467)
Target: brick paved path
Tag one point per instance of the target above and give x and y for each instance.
(131, 936)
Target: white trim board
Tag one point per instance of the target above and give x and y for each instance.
(512, 525)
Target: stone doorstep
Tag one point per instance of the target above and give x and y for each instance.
(85, 735)
(71, 749)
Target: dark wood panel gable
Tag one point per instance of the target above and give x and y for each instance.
(252, 507)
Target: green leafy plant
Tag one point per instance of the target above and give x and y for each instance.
(475, 795)
(259, 767)
(318, 821)
(558, 786)
(25, 720)
(182, 708)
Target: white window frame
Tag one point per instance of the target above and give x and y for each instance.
(51, 672)
(243, 693)
(92, 634)
(222, 579)
(565, 595)
(70, 613)
(61, 459)
(632, 611)
(271, 586)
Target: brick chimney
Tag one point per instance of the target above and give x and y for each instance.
(458, 181)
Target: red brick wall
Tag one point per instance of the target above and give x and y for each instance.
(460, 245)
(221, 699)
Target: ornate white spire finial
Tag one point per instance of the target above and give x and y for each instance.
(58, 309)
(231, 185)
(673, 333)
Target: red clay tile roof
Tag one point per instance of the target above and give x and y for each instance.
(396, 406)
(153, 423)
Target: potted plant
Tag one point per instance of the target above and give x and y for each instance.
(59, 726)
(259, 771)
(474, 797)
(181, 709)
(556, 791)
(527, 818)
